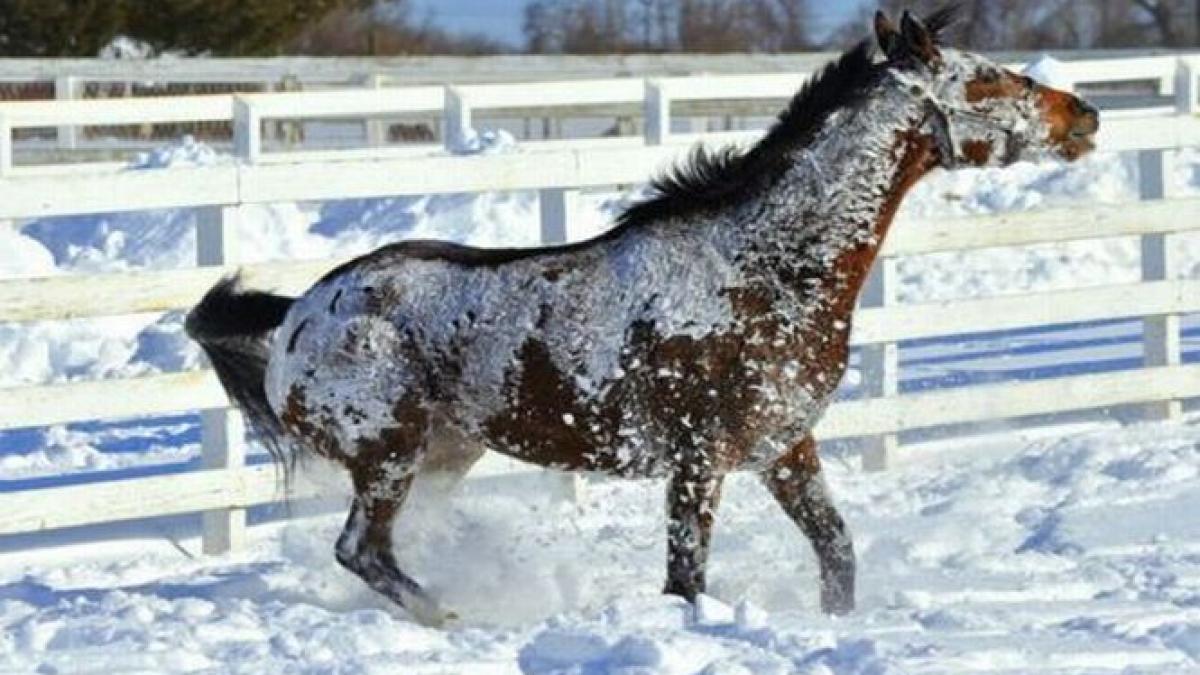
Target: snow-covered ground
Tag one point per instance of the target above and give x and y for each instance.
(1075, 549)
(1069, 548)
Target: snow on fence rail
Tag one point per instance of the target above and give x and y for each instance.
(558, 170)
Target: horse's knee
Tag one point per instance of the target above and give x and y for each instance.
(349, 547)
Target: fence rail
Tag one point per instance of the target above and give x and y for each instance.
(557, 170)
(407, 71)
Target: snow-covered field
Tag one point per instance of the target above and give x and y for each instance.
(1073, 550)
(1069, 548)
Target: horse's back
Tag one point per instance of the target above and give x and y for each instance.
(421, 321)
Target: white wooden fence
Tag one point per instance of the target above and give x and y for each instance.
(558, 170)
(71, 76)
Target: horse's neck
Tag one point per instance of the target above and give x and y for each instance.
(820, 226)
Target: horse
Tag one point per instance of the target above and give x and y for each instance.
(703, 334)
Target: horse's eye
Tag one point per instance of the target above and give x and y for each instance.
(1028, 81)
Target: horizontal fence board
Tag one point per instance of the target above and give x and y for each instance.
(34, 196)
(932, 234)
(139, 110)
(425, 151)
(416, 151)
(894, 414)
(719, 87)
(588, 165)
(1120, 70)
(111, 501)
(80, 296)
(954, 317)
(1148, 133)
(550, 94)
(103, 399)
(347, 102)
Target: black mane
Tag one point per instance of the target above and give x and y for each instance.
(711, 179)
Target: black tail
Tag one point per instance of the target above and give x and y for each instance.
(233, 327)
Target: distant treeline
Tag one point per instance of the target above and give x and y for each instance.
(600, 26)
(392, 27)
(50, 28)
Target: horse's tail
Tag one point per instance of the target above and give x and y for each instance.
(234, 326)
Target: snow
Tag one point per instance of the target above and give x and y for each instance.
(1067, 549)
(123, 47)
(1049, 71)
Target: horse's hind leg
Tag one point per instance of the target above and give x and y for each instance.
(692, 499)
(365, 545)
(796, 482)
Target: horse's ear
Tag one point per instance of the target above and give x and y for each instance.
(889, 38)
(918, 41)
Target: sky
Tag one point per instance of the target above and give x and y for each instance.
(501, 19)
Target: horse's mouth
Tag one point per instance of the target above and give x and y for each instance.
(1078, 143)
(1081, 139)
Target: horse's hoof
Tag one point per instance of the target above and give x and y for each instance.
(837, 606)
(431, 615)
(688, 593)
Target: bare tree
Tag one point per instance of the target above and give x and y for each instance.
(1062, 24)
(385, 27)
(585, 26)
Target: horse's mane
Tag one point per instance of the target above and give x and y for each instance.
(709, 179)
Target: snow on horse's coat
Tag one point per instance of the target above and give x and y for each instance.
(704, 334)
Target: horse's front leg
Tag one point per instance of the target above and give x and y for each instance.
(692, 497)
(796, 482)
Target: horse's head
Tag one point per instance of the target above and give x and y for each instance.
(978, 113)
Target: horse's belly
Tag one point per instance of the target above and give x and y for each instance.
(553, 426)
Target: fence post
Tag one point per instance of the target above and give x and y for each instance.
(1161, 334)
(247, 130)
(1161, 340)
(657, 110)
(1185, 86)
(457, 118)
(6, 146)
(289, 132)
(880, 364)
(557, 207)
(376, 129)
(222, 430)
(66, 87)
